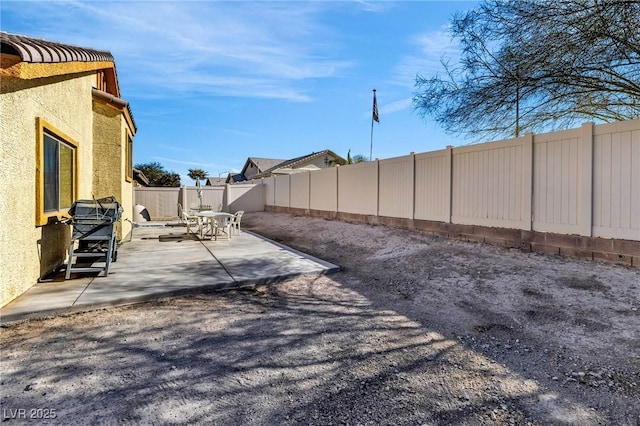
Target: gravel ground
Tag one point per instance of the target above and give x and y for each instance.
(414, 330)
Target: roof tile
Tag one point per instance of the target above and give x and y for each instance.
(36, 50)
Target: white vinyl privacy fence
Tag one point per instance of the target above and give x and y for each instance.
(162, 203)
(584, 181)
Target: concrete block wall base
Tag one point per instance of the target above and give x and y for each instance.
(624, 252)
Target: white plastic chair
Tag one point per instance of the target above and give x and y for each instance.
(189, 221)
(222, 223)
(235, 222)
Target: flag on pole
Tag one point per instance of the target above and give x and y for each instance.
(376, 117)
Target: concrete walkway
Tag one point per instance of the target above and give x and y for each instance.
(163, 261)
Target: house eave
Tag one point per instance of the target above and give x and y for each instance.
(117, 103)
(27, 70)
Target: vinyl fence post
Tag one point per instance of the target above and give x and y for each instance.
(527, 182)
(585, 193)
(183, 197)
(449, 182)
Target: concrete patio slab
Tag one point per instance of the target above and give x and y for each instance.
(162, 261)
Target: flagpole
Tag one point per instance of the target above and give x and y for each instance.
(371, 147)
(372, 119)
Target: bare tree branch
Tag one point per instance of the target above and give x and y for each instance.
(537, 65)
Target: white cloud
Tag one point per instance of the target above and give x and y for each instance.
(374, 5)
(237, 132)
(396, 106)
(431, 49)
(246, 49)
(191, 164)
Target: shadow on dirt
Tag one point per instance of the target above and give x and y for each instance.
(386, 341)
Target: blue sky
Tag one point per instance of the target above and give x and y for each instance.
(212, 83)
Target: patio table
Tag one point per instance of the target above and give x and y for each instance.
(209, 219)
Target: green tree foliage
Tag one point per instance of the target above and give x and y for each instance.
(157, 175)
(530, 65)
(358, 158)
(170, 179)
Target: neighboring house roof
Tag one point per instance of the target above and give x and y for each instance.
(236, 177)
(212, 181)
(261, 164)
(269, 166)
(291, 164)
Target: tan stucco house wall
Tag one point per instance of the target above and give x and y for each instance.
(55, 98)
(110, 133)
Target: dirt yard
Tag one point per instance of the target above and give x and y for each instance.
(415, 330)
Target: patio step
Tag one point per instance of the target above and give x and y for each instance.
(89, 254)
(96, 238)
(88, 269)
(94, 250)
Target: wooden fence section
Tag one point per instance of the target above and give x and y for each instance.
(562, 191)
